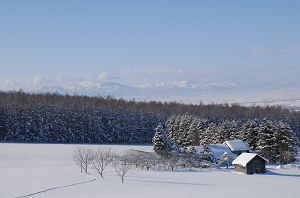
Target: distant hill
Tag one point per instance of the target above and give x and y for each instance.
(285, 95)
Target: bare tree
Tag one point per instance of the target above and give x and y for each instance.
(135, 158)
(83, 158)
(148, 160)
(172, 160)
(122, 166)
(138, 159)
(102, 158)
(78, 158)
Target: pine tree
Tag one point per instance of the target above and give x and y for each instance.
(224, 132)
(201, 128)
(207, 154)
(285, 142)
(172, 146)
(211, 134)
(266, 144)
(160, 140)
(192, 135)
(186, 139)
(236, 129)
(175, 135)
(249, 133)
(184, 126)
(170, 126)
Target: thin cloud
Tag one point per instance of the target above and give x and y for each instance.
(274, 51)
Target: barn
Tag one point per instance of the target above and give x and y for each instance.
(250, 163)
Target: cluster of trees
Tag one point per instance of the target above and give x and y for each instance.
(103, 158)
(100, 160)
(172, 160)
(55, 118)
(273, 140)
(277, 142)
(169, 150)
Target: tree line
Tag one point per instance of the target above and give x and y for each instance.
(56, 118)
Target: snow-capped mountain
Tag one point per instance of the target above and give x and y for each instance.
(188, 91)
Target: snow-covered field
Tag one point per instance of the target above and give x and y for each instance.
(45, 170)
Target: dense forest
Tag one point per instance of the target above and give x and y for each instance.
(55, 118)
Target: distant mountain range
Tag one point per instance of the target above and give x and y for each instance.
(189, 92)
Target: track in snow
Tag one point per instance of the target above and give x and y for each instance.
(54, 188)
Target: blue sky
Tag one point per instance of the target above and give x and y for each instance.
(135, 42)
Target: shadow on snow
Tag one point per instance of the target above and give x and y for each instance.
(281, 174)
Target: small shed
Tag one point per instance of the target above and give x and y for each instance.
(238, 146)
(250, 163)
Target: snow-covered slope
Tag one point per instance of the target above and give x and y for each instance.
(41, 170)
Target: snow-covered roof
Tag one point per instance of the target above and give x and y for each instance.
(244, 158)
(218, 150)
(237, 145)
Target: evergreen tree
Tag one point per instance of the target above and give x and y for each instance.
(207, 155)
(170, 126)
(184, 126)
(201, 128)
(224, 132)
(236, 129)
(172, 146)
(211, 134)
(192, 135)
(266, 144)
(175, 135)
(285, 142)
(249, 133)
(186, 139)
(159, 140)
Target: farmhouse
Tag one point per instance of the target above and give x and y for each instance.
(238, 146)
(232, 147)
(250, 163)
(219, 149)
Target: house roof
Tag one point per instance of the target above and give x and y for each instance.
(217, 149)
(237, 145)
(245, 158)
(220, 149)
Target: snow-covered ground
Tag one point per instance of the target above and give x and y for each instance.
(45, 170)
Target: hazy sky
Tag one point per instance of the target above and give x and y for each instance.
(136, 41)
